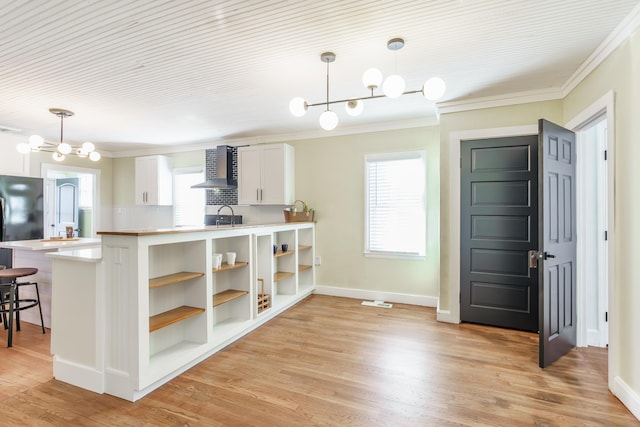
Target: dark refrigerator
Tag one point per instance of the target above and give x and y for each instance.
(21, 211)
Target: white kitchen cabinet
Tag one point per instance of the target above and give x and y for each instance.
(153, 180)
(266, 175)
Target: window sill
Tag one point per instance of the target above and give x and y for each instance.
(395, 255)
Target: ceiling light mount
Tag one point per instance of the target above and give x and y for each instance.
(393, 87)
(61, 149)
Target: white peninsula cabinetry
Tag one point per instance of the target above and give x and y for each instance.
(163, 308)
(153, 180)
(266, 174)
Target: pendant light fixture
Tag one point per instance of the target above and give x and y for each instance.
(392, 87)
(61, 149)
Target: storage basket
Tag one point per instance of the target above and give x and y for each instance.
(293, 215)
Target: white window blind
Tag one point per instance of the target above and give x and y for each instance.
(395, 217)
(188, 203)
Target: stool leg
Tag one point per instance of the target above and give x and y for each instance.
(39, 306)
(12, 296)
(17, 308)
(2, 304)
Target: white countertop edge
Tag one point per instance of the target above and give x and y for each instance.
(39, 245)
(83, 255)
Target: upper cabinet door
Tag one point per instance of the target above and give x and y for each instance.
(249, 169)
(153, 181)
(266, 175)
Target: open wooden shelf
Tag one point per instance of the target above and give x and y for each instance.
(226, 266)
(304, 247)
(280, 275)
(172, 279)
(226, 296)
(304, 267)
(170, 317)
(280, 253)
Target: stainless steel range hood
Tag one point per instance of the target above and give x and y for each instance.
(223, 176)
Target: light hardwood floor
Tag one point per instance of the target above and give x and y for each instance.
(332, 362)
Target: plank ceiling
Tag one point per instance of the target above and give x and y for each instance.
(156, 72)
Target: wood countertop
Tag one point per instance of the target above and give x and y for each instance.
(179, 230)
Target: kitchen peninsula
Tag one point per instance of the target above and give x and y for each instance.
(151, 305)
(31, 253)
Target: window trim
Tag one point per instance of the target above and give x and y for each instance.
(376, 157)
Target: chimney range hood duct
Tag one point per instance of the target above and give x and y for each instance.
(224, 170)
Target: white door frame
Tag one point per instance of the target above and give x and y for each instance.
(605, 105)
(44, 170)
(452, 314)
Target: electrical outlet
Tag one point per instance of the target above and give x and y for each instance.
(318, 260)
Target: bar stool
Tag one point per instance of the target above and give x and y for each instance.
(10, 301)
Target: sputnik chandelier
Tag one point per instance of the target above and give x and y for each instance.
(60, 149)
(392, 87)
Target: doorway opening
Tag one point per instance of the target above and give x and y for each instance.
(592, 223)
(70, 199)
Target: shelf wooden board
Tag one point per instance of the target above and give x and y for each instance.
(170, 317)
(280, 253)
(226, 266)
(304, 247)
(226, 296)
(172, 279)
(304, 267)
(280, 275)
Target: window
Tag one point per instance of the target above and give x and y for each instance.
(395, 217)
(188, 203)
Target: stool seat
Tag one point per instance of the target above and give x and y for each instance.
(10, 301)
(14, 273)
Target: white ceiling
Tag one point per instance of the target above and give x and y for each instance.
(150, 72)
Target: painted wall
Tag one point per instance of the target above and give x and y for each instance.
(517, 115)
(330, 178)
(620, 73)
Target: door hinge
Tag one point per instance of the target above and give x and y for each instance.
(605, 154)
(606, 316)
(606, 235)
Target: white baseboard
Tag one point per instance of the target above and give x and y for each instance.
(79, 375)
(628, 396)
(365, 294)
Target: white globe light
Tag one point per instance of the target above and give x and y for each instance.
(372, 78)
(298, 107)
(434, 88)
(23, 148)
(354, 107)
(393, 86)
(57, 157)
(35, 141)
(328, 120)
(88, 147)
(64, 148)
(95, 156)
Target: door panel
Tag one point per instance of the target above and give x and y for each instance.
(557, 298)
(499, 226)
(67, 210)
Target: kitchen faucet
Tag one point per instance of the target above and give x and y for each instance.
(232, 215)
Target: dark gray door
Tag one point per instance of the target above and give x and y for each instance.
(499, 226)
(557, 197)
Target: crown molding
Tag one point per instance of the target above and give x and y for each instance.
(499, 100)
(621, 33)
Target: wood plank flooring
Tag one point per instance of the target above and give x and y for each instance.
(332, 362)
